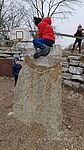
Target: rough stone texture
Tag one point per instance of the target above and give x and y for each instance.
(82, 86)
(64, 63)
(78, 77)
(75, 70)
(72, 84)
(81, 64)
(65, 69)
(67, 82)
(75, 84)
(74, 57)
(37, 96)
(74, 62)
(67, 76)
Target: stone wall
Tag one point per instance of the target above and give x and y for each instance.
(73, 71)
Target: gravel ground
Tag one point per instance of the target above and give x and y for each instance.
(15, 135)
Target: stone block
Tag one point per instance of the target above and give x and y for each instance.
(65, 64)
(74, 62)
(75, 70)
(64, 69)
(80, 78)
(68, 82)
(75, 84)
(74, 57)
(72, 84)
(66, 76)
(81, 64)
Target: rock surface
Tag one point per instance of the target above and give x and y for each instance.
(76, 70)
(38, 92)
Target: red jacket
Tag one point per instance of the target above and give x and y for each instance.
(45, 29)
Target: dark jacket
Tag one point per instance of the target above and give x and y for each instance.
(16, 67)
(45, 29)
(79, 33)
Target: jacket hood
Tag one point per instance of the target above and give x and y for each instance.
(47, 19)
(15, 59)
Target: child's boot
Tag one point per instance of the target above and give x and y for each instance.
(42, 52)
(46, 50)
(38, 53)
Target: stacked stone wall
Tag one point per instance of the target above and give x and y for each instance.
(73, 71)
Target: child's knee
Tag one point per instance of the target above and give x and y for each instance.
(34, 40)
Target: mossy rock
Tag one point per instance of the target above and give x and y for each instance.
(82, 59)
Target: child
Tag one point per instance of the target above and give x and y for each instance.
(16, 69)
(45, 37)
(80, 34)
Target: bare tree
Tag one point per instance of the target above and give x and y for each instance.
(13, 14)
(53, 8)
(1, 8)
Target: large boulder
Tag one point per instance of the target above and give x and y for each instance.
(37, 98)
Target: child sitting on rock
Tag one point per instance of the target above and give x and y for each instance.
(45, 37)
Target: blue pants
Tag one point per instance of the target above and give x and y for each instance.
(39, 43)
(15, 79)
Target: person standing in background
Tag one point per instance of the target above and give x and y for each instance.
(78, 33)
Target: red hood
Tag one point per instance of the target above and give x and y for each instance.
(47, 19)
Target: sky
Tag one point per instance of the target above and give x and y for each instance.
(69, 26)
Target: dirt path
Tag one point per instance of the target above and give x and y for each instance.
(17, 136)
